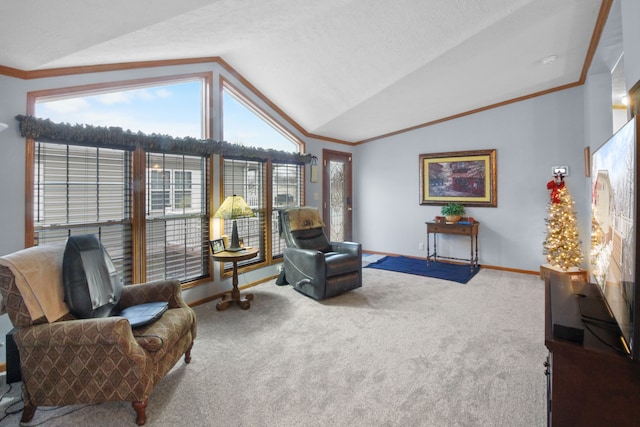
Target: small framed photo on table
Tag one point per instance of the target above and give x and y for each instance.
(217, 245)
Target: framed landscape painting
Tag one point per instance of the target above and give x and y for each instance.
(466, 177)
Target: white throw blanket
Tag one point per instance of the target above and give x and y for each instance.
(38, 274)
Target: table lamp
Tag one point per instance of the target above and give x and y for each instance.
(234, 207)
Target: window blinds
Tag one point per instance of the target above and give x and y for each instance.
(84, 190)
(177, 230)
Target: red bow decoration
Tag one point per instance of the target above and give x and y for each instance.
(555, 188)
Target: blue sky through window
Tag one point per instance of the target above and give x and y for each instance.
(242, 126)
(171, 108)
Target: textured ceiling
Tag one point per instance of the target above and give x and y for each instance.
(345, 69)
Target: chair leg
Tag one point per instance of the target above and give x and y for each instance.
(187, 354)
(141, 408)
(28, 412)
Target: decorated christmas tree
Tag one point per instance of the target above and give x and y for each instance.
(562, 245)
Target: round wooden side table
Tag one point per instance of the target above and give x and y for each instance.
(244, 301)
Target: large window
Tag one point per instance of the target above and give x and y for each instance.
(266, 186)
(79, 189)
(176, 217)
(151, 209)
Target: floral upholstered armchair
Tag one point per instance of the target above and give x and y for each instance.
(65, 360)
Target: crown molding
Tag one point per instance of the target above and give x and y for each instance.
(100, 68)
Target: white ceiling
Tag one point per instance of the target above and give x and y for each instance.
(345, 69)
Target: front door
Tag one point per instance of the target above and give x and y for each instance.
(336, 195)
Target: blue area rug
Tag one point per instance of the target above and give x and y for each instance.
(460, 273)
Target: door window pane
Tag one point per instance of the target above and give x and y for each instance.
(337, 198)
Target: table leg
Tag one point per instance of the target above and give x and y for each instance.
(471, 255)
(435, 247)
(476, 250)
(433, 255)
(243, 301)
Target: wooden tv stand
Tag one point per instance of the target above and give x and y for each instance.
(589, 383)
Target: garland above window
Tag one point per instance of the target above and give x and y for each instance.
(115, 137)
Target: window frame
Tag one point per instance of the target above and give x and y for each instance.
(270, 230)
(212, 119)
(175, 225)
(138, 195)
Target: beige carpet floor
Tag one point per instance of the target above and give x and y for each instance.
(402, 350)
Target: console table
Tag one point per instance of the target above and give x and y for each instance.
(467, 228)
(243, 301)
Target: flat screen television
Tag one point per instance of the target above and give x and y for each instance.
(614, 242)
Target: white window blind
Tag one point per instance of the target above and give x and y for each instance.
(177, 232)
(287, 185)
(246, 178)
(84, 190)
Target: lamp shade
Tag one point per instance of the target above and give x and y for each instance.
(233, 207)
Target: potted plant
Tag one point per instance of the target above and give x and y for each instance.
(452, 212)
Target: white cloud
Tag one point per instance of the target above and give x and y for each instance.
(143, 94)
(114, 98)
(130, 96)
(63, 106)
(164, 93)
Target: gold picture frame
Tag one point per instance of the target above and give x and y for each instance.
(466, 177)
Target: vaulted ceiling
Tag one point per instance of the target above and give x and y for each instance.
(351, 70)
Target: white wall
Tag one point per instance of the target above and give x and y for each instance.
(530, 137)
